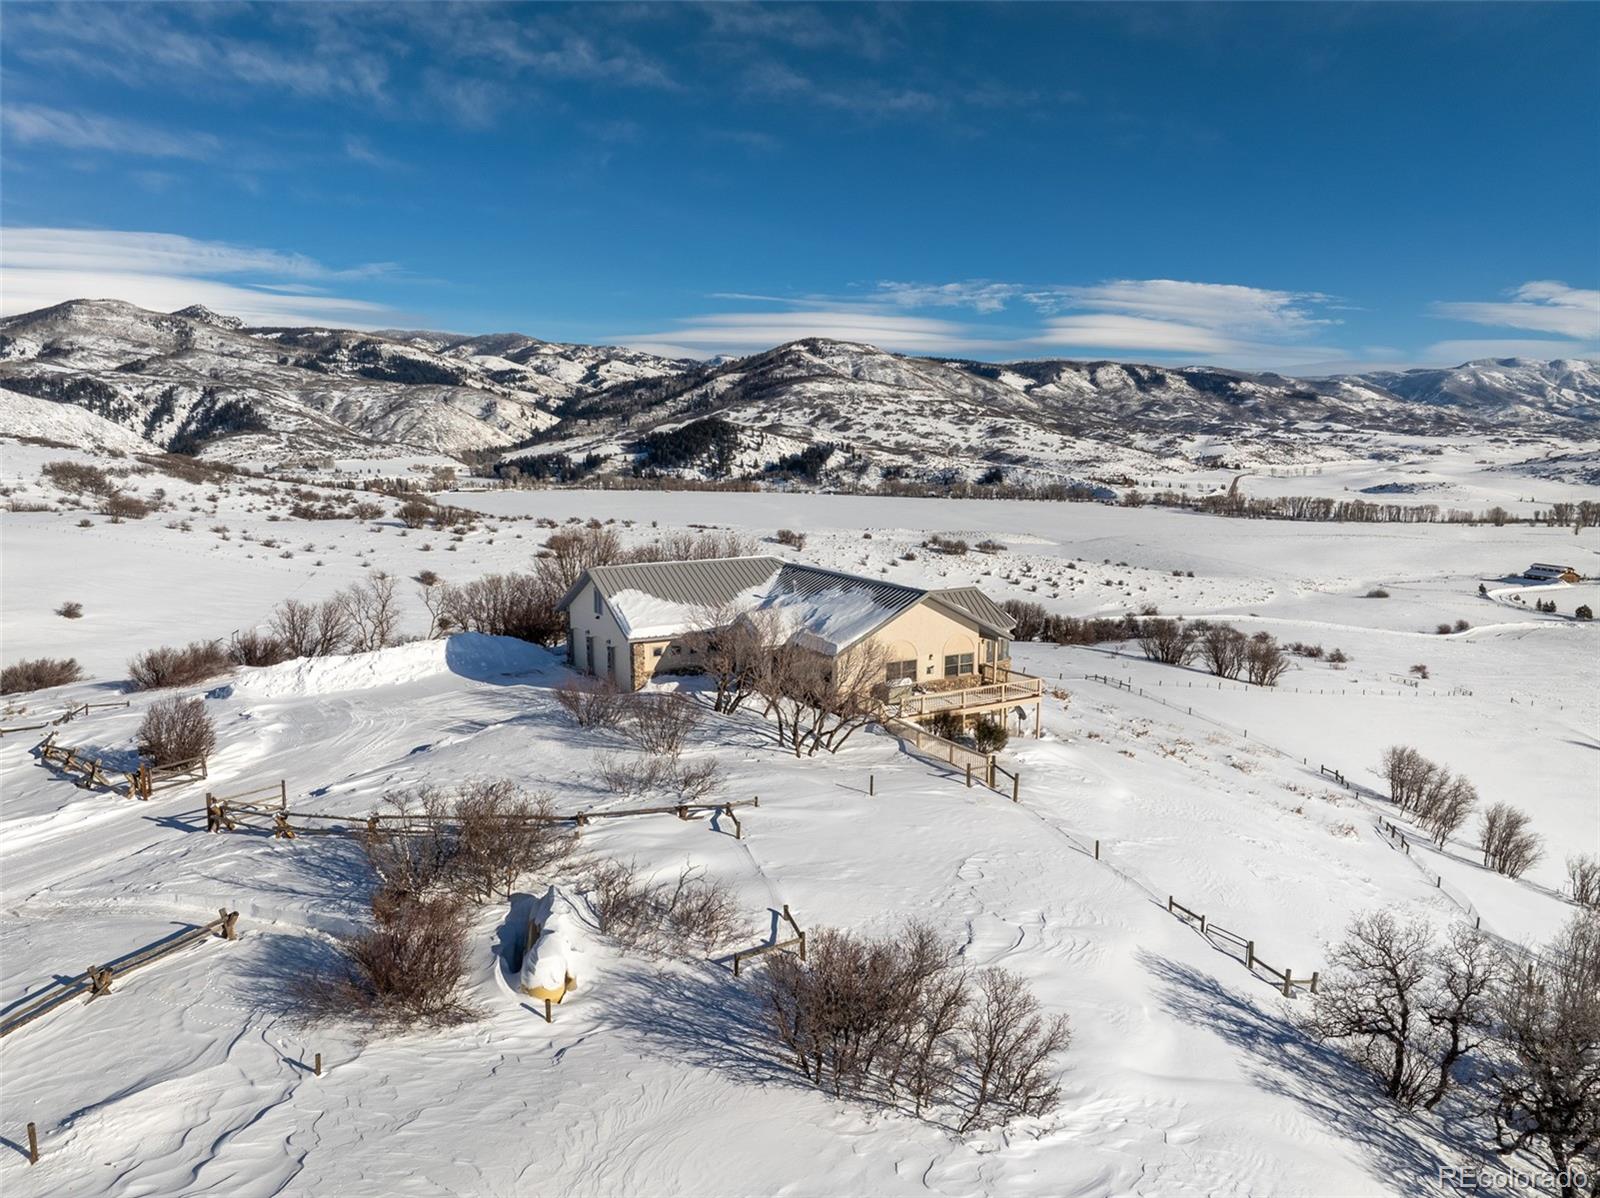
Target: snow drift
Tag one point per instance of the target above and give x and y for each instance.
(468, 654)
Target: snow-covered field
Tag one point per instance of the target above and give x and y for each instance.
(1187, 1074)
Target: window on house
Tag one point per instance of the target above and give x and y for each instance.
(611, 660)
(597, 601)
(657, 652)
(588, 652)
(956, 664)
(897, 671)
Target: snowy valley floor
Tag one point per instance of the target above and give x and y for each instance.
(1188, 1075)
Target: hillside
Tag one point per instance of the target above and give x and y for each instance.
(812, 411)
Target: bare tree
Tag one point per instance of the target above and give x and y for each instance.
(373, 610)
(845, 695)
(1223, 648)
(1166, 641)
(1510, 845)
(1372, 999)
(1264, 661)
(312, 629)
(1458, 1003)
(1545, 1073)
(1408, 772)
(733, 647)
(1445, 805)
(1583, 879)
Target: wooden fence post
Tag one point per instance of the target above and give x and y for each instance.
(1097, 850)
(872, 784)
(1250, 955)
(1016, 787)
(33, 1145)
(969, 775)
(1288, 983)
(1169, 904)
(1315, 974)
(230, 924)
(547, 1012)
(318, 1065)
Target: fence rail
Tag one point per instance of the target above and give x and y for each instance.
(97, 980)
(797, 940)
(223, 816)
(66, 717)
(1252, 962)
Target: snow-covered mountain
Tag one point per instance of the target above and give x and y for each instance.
(192, 379)
(196, 381)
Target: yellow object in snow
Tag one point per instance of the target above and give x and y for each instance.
(553, 994)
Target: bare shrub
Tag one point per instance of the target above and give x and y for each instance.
(407, 970)
(989, 734)
(156, 669)
(78, 477)
(896, 1019)
(630, 775)
(122, 506)
(504, 834)
(252, 648)
(1583, 879)
(1166, 641)
(70, 611)
(38, 673)
(1419, 671)
(788, 536)
(1510, 844)
(1407, 1009)
(414, 513)
(412, 852)
(660, 916)
(694, 782)
(1545, 1071)
(661, 723)
(177, 730)
(593, 704)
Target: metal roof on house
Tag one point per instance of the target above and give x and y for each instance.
(707, 583)
(979, 606)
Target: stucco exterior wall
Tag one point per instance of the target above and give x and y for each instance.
(582, 624)
(931, 634)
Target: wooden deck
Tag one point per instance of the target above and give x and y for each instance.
(1017, 689)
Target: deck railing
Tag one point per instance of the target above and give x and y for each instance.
(1017, 688)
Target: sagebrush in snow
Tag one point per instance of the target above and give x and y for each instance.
(177, 730)
(157, 669)
(38, 673)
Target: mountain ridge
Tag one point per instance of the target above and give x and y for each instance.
(198, 381)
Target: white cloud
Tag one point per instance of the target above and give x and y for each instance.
(1542, 306)
(747, 332)
(164, 271)
(1453, 353)
(34, 124)
(981, 295)
(1255, 311)
(1110, 331)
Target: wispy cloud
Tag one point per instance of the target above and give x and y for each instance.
(1452, 353)
(1544, 307)
(164, 271)
(37, 124)
(1160, 318)
(747, 332)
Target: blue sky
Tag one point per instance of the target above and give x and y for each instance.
(1302, 187)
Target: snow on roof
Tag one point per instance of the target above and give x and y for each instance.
(825, 610)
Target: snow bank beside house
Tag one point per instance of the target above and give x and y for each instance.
(469, 654)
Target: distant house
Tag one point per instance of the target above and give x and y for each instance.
(629, 623)
(1544, 572)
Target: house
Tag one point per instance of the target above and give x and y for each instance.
(1544, 572)
(629, 623)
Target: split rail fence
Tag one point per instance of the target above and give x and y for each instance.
(97, 980)
(797, 941)
(225, 813)
(66, 717)
(1251, 962)
(139, 783)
